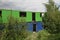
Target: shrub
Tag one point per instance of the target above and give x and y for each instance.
(14, 30)
(43, 35)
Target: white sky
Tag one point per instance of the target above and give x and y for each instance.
(25, 5)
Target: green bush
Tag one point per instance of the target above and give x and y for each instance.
(54, 37)
(14, 30)
(51, 18)
(43, 35)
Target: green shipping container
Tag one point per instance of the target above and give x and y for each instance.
(27, 16)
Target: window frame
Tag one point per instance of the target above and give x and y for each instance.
(22, 14)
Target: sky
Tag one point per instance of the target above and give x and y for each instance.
(25, 5)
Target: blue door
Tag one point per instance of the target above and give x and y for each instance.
(30, 26)
(39, 26)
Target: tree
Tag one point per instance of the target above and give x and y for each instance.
(51, 19)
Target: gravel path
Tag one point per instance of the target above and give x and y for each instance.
(32, 36)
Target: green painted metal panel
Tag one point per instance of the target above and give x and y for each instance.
(29, 17)
(38, 18)
(15, 14)
(21, 19)
(5, 15)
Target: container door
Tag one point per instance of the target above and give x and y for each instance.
(39, 26)
(30, 26)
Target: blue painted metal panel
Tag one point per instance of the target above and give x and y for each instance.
(30, 26)
(39, 26)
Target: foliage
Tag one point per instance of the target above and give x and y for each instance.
(54, 37)
(43, 35)
(14, 30)
(51, 19)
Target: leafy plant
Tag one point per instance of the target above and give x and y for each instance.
(51, 18)
(43, 35)
(14, 29)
